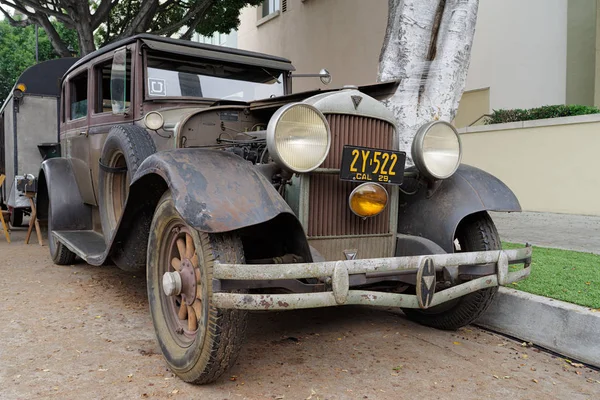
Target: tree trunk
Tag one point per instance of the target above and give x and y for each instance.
(83, 24)
(57, 43)
(428, 46)
(448, 71)
(138, 24)
(86, 39)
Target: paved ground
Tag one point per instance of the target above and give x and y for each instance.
(85, 332)
(561, 231)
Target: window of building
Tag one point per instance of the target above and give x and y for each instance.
(219, 39)
(79, 95)
(269, 7)
(103, 81)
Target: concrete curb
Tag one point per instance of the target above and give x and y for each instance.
(564, 328)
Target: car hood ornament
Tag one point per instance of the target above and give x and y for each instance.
(356, 100)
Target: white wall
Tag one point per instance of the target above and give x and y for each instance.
(550, 164)
(520, 51)
(344, 36)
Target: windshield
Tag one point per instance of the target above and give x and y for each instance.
(201, 78)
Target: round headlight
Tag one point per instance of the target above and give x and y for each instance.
(154, 120)
(368, 199)
(437, 150)
(298, 137)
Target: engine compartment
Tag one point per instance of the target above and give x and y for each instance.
(232, 129)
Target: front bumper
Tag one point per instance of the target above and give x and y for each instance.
(337, 273)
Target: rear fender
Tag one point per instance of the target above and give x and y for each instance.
(436, 216)
(57, 184)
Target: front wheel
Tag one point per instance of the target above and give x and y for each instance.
(477, 232)
(199, 341)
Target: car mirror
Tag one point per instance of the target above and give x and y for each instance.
(325, 76)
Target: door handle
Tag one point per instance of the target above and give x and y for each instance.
(83, 133)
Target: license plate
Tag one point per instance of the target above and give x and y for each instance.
(364, 164)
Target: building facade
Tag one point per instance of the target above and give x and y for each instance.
(525, 53)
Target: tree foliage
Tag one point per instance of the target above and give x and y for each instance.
(98, 22)
(17, 51)
(531, 114)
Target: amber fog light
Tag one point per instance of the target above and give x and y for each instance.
(368, 200)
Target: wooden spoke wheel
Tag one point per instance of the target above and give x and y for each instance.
(124, 150)
(199, 341)
(117, 187)
(182, 284)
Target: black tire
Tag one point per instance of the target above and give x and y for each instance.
(125, 148)
(60, 254)
(477, 232)
(202, 355)
(16, 217)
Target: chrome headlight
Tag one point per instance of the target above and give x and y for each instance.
(154, 120)
(437, 150)
(298, 137)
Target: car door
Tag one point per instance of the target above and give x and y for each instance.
(74, 135)
(104, 114)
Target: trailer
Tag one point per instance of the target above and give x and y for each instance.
(29, 123)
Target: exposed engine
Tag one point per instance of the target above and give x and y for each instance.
(251, 146)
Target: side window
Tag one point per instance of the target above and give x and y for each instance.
(79, 95)
(113, 84)
(63, 99)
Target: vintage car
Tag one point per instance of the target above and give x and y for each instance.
(198, 165)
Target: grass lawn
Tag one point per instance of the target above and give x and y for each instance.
(564, 275)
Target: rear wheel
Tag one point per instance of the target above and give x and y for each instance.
(199, 341)
(16, 217)
(477, 232)
(124, 150)
(60, 254)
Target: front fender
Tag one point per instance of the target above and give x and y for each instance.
(214, 190)
(468, 191)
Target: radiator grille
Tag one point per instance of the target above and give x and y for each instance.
(329, 214)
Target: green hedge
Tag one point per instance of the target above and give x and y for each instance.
(502, 116)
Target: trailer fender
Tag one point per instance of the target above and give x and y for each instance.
(435, 215)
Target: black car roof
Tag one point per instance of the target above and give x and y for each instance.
(188, 47)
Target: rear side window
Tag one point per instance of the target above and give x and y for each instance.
(79, 96)
(63, 103)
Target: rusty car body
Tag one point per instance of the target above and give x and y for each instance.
(200, 166)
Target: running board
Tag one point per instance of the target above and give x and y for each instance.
(89, 245)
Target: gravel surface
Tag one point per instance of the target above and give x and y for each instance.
(82, 332)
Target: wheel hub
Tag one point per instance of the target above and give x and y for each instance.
(182, 282)
(171, 283)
